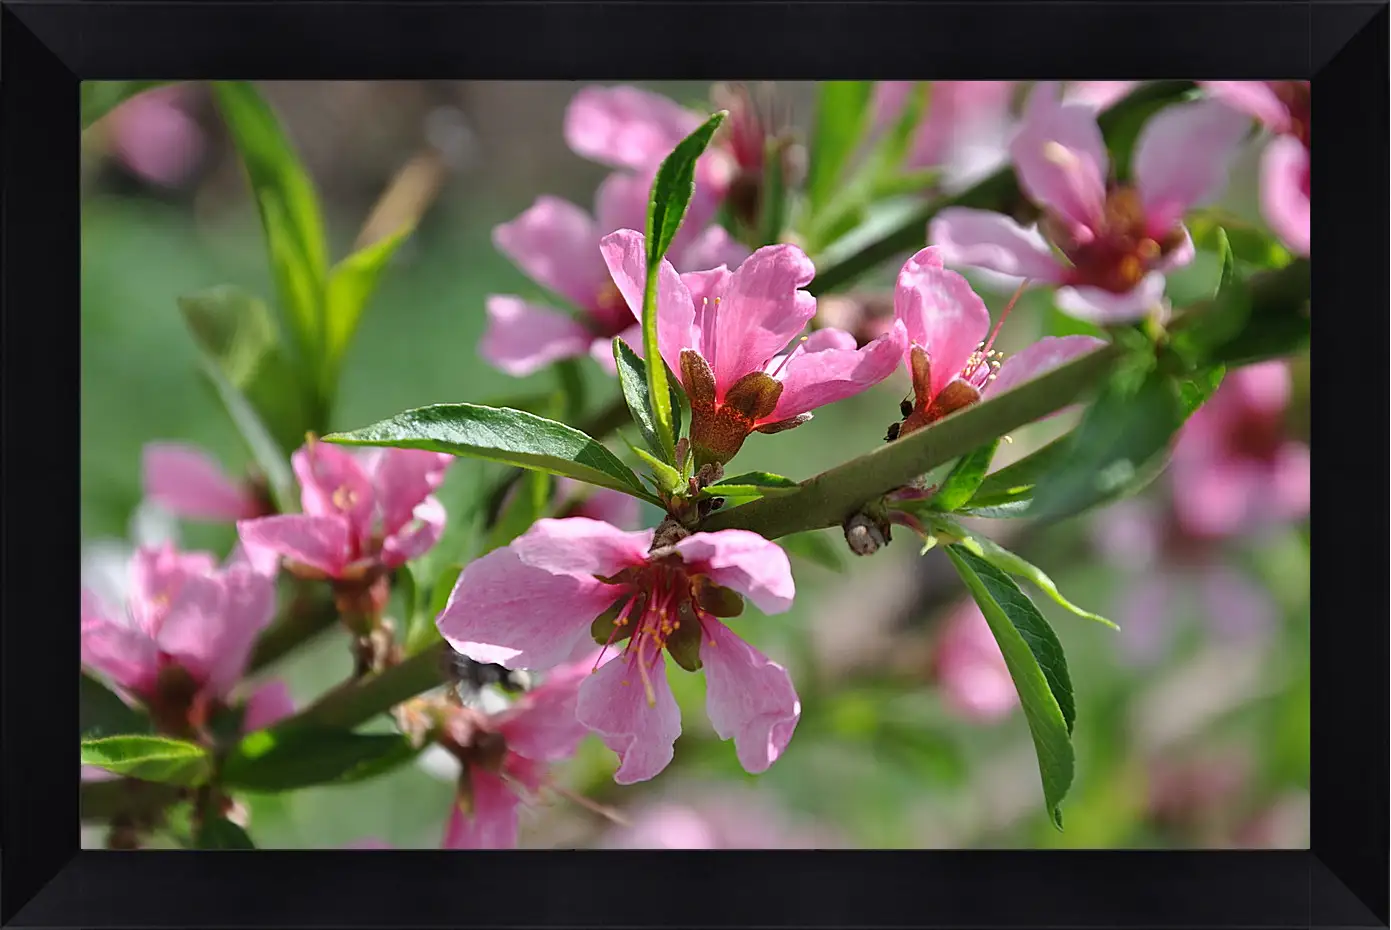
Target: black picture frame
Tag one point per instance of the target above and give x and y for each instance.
(47, 48)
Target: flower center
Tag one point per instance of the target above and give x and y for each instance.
(610, 314)
(1122, 250)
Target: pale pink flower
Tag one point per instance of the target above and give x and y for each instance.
(184, 634)
(1234, 469)
(362, 513)
(505, 756)
(723, 818)
(1108, 244)
(1099, 95)
(726, 336)
(612, 507)
(534, 604)
(557, 245)
(153, 135)
(949, 354)
(965, 131)
(626, 127)
(1283, 106)
(187, 482)
(970, 668)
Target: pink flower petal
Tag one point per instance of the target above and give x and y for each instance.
(505, 611)
(612, 507)
(821, 375)
(493, 822)
(613, 703)
(975, 680)
(761, 312)
(624, 252)
(1097, 306)
(1045, 355)
(1061, 161)
(1285, 192)
(746, 562)
(320, 542)
(1098, 95)
(156, 139)
(267, 706)
(1254, 98)
(157, 574)
(1290, 482)
(193, 628)
(248, 608)
(187, 482)
(523, 338)
(621, 202)
(625, 127)
(403, 479)
(941, 313)
(711, 248)
(981, 239)
(1183, 157)
(258, 558)
(333, 483)
(542, 724)
(749, 697)
(1220, 499)
(418, 536)
(581, 547)
(126, 655)
(555, 243)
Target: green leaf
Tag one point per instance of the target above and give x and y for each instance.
(1220, 320)
(101, 97)
(267, 453)
(295, 755)
(221, 833)
(1275, 327)
(671, 194)
(818, 547)
(512, 437)
(1125, 431)
(1007, 561)
(667, 477)
(842, 114)
(402, 753)
(238, 332)
(101, 712)
(632, 377)
(1248, 244)
(528, 503)
(150, 758)
(889, 155)
(350, 284)
(289, 212)
(965, 478)
(911, 182)
(761, 480)
(1035, 662)
(773, 202)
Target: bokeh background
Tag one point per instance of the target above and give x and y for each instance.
(1192, 723)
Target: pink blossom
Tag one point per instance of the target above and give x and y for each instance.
(362, 513)
(725, 818)
(965, 130)
(188, 483)
(948, 353)
(970, 669)
(155, 138)
(184, 634)
(557, 245)
(1099, 95)
(1234, 470)
(626, 127)
(505, 756)
(726, 335)
(612, 507)
(1283, 106)
(1116, 240)
(534, 604)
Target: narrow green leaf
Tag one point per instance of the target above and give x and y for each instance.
(818, 547)
(1007, 561)
(101, 97)
(512, 437)
(528, 503)
(264, 449)
(351, 284)
(296, 755)
(671, 194)
(289, 212)
(238, 332)
(667, 477)
(1035, 662)
(762, 480)
(1220, 320)
(1126, 429)
(221, 833)
(632, 377)
(403, 753)
(101, 712)
(842, 115)
(911, 182)
(773, 203)
(965, 478)
(150, 758)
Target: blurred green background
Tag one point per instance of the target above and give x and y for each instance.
(1204, 744)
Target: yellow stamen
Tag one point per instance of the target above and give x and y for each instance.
(1058, 154)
